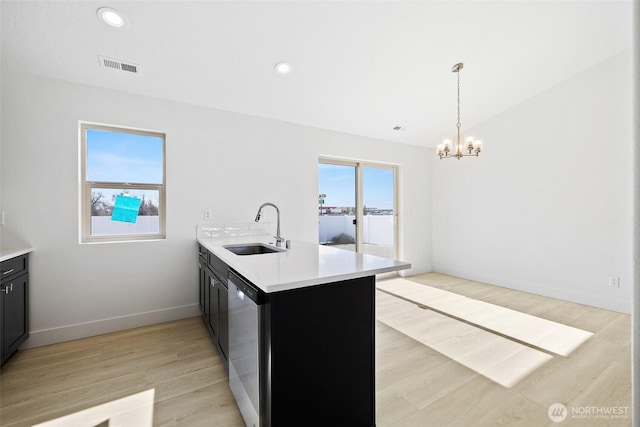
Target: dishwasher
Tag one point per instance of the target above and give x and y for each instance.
(249, 375)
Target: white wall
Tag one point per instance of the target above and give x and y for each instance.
(547, 206)
(635, 318)
(229, 163)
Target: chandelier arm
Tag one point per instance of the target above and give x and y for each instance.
(455, 156)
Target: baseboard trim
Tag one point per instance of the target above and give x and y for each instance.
(105, 326)
(570, 295)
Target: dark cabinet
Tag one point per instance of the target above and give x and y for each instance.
(202, 264)
(14, 305)
(320, 351)
(213, 302)
(214, 308)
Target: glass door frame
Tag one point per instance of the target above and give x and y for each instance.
(359, 166)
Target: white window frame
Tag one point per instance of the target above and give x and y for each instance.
(86, 186)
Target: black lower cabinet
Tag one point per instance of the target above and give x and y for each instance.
(322, 353)
(213, 300)
(202, 264)
(14, 306)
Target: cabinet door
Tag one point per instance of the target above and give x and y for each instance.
(205, 287)
(214, 285)
(15, 320)
(2, 346)
(201, 284)
(223, 304)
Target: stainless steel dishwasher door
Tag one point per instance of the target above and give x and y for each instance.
(244, 350)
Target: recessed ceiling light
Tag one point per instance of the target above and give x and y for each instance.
(282, 68)
(111, 17)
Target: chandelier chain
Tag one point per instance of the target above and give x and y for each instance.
(458, 72)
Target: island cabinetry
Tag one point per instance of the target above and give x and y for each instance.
(213, 299)
(214, 303)
(301, 331)
(321, 343)
(202, 265)
(14, 305)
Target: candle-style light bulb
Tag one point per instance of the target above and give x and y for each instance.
(477, 145)
(447, 144)
(469, 142)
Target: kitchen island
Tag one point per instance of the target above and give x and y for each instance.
(312, 357)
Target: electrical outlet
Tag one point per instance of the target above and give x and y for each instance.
(614, 282)
(2, 218)
(207, 214)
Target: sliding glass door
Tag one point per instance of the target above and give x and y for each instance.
(337, 205)
(379, 214)
(357, 206)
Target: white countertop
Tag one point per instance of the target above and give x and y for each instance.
(11, 246)
(305, 264)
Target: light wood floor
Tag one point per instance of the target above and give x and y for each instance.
(416, 385)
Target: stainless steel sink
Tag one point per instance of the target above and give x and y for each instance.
(252, 249)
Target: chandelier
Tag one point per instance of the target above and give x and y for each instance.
(471, 146)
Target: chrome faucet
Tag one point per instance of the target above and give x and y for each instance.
(278, 237)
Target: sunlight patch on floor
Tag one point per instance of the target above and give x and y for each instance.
(131, 411)
(501, 360)
(541, 333)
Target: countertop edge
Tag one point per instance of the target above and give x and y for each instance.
(336, 278)
(7, 254)
(216, 247)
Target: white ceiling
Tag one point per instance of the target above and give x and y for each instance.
(360, 67)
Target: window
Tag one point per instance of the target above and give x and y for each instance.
(123, 184)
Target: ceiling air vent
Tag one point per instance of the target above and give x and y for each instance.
(116, 64)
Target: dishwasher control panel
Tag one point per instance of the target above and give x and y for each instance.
(247, 288)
